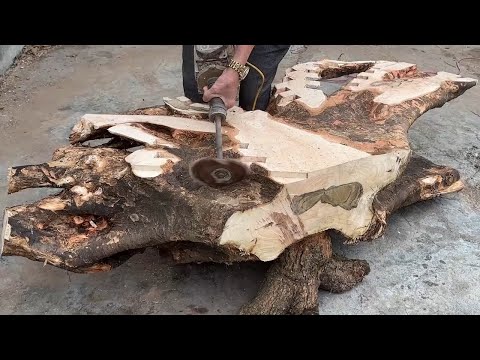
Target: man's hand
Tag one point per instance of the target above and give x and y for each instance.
(225, 88)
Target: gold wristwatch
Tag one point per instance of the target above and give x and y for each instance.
(242, 70)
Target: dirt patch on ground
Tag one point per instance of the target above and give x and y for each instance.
(28, 55)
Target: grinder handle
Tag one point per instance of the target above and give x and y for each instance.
(217, 106)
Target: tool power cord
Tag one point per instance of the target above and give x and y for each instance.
(261, 86)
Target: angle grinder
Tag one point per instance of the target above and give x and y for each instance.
(210, 61)
(217, 171)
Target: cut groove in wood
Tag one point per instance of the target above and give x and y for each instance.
(135, 133)
(90, 123)
(298, 91)
(301, 82)
(290, 150)
(374, 116)
(395, 82)
(253, 159)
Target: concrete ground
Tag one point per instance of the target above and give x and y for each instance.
(428, 262)
(7, 56)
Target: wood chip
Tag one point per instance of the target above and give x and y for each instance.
(53, 204)
(78, 220)
(76, 239)
(102, 225)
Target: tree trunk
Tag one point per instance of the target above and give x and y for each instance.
(292, 282)
(319, 161)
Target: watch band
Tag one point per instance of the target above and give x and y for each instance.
(242, 70)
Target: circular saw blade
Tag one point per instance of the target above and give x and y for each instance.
(218, 172)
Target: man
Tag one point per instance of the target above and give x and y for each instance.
(264, 60)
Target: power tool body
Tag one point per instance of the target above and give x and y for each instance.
(210, 62)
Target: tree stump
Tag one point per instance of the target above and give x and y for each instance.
(331, 153)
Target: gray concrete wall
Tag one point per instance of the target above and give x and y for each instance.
(7, 55)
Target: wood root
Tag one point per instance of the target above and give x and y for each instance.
(292, 282)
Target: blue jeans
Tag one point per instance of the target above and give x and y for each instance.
(264, 57)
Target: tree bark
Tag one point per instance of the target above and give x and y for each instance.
(292, 282)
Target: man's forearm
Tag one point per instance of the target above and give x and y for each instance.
(242, 53)
(226, 86)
